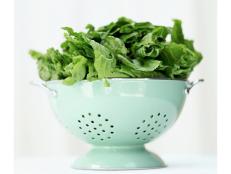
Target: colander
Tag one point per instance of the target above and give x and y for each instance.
(118, 120)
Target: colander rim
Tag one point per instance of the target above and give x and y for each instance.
(138, 79)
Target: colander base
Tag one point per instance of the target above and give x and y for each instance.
(118, 158)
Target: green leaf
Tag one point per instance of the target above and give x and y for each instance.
(189, 44)
(115, 45)
(177, 33)
(104, 61)
(69, 30)
(92, 74)
(77, 70)
(147, 65)
(180, 60)
(35, 54)
(106, 83)
(119, 49)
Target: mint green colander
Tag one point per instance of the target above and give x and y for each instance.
(118, 120)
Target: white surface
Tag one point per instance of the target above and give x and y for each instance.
(38, 24)
(176, 165)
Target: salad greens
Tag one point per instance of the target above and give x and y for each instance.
(121, 49)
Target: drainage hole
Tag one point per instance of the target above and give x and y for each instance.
(89, 114)
(103, 131)
(144, 131)
(92, 121)
(138, 128)
(149, 133)
(136, 133)
(159, 125)
(164, 115)
(112, 132)
(100, 124)
(80, 127)
(111, 126)
(108, 137)
(148, 125)
(98, 134)
(156, 122)
(84, 133)
(158, 114)
(79, 121)
(83, 116)
(138, 138)
(143, 121)
(87, 124)
(94, 128)
(92, 138)
(166, 120)
(152, 128)
(99, 115)
(101, 139)
(106, 119)
(151, 116)
(89, 131)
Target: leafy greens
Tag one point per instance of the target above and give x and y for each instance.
(121, 49)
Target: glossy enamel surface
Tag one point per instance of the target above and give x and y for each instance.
(131, 112)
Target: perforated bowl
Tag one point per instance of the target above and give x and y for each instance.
(118, 120)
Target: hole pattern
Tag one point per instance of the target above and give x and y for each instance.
(151, 127)
(91, 126)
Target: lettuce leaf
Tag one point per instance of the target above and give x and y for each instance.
(121, 49)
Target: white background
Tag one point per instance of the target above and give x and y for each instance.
(38, 24)
(7, 86)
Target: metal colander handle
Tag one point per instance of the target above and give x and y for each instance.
(45, 87)
(190, 85)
